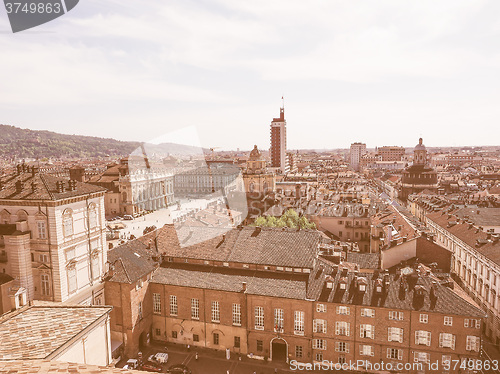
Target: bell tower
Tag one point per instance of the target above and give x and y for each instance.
(420, 154)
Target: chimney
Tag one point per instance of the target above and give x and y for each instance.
(72, 185)
(60, 186)
(34, 186)
(34, 171)
(19, 168)
(19, 186)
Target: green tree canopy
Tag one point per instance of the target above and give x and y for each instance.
(289, 219)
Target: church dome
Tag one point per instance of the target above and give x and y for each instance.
(420, 146)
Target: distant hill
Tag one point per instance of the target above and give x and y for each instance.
(24, 143)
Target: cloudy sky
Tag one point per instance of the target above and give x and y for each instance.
(382, 72)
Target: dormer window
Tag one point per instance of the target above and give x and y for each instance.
(379, 289)
(362, 287)
(343, 286)
(330, 285)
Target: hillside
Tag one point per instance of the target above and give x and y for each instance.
(24, 143)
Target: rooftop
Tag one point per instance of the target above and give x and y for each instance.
(38, 331)
(251, 245)
(32, 185)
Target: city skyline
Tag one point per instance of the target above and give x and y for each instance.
(135, 72)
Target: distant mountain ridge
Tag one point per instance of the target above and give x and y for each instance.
(24, 143)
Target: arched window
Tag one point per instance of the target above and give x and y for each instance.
(68, 222)
(251, 188)
(124, 197)
(22, 215)
(4, 217)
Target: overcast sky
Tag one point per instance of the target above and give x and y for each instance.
(380, 72)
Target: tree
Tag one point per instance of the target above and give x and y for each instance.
(289, 219)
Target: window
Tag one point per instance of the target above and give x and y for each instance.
(319, 344)
(72, 282)
(174, 334)
(395, 316)
(395, 334)
(366, 350)
(67, 223)
(299, 351)
(424, 318)
(448, 321)
(260, 345)
(423, 337)
(472, 323)
(157, 332)
(394, 354)
(215, 311)
(173, 305)
(237, 314)
(196, 338)
(92, 216)
(319, 357)
(343, 310)
(298, 323)
(342, 347)
(320, 308)
(195, 309)
(278, 320)
(156, 303)
(45, 284)
(42, 234)
(237, 342)
(95, 265)
(259, 318)
(367, 312)
(367, 331)
(472, 343)
(319, 325)
(446, 340)
(44, 258)
(446, 360)
(139, 310)
(342, 328)
(422, 357)
(216, 338)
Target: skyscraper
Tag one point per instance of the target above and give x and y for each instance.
(278, 142)
(357, 150)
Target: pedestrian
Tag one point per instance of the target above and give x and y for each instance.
(196, 356)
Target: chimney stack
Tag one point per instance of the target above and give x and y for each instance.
(19, 186)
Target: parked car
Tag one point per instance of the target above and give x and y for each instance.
(159, 358)
(128, 217)
(151, 367)
(179, 369)
(131, 364)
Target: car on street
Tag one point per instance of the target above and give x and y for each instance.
(159, 358)
(131, 364)
(128, 217)
(151, 367)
